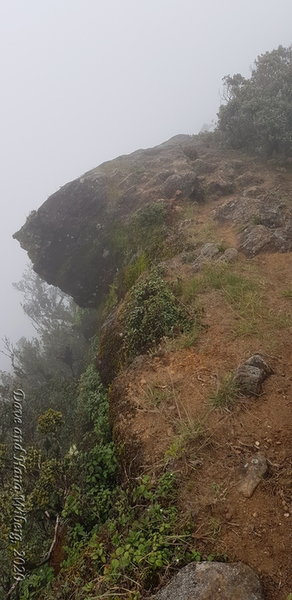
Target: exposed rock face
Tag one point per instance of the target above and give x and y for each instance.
(75, 239)
(213, 581)
(72, 239)
(211, 252)
(266, 221)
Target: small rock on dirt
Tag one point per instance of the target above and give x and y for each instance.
(249, 380)
(250, 375)
(257, 360)
(256, 469)
(211, 581)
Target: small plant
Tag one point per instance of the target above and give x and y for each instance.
(188, 289)
(188, 432)
(155, 395)
(215, 527)
(226, 393)
(190, 338)
(111, 300)
(133, 271)
(34, 582)
(255, 220)
(287, 293)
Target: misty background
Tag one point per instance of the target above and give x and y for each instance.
(83, 81)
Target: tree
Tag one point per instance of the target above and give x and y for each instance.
(257, 115)
(44, 304)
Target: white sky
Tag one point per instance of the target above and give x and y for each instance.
(83, 81)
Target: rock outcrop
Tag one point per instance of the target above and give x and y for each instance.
(211, 581)
(79, 239)
(75, 238)
(265, 220)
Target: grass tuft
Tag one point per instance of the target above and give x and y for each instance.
(188, 432)
(226, 394)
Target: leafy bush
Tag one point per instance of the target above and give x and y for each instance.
(258, 112)
(50, 421)
(151, 313)
(140, 539)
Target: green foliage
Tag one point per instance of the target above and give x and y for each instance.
(50, 422)
(34, 582)
(48, 491)
(119, 538)
(4, 459)
(95, 465)
(111, 299)
(92, 403)
(258, 112)
(133, 271)
(140, 538)
(287, 293)
(152, 312)
(188, 431)
(187, 289)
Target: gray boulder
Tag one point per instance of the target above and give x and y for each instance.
(207, 253)
(250, 375)
(230, 255)
(209, 250)
(213, 581)
(257, 360)
(255, 239)
(202, 167)
(266, 223)
(219, 187)
(187, 183)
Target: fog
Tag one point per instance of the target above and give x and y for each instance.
(83, 81)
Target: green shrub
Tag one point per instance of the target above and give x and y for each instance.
(257, 113)
(152, 312)
(50, 422)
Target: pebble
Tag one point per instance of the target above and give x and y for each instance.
(286, 515)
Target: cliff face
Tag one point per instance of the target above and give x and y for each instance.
(72, 240)
(77, 238)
